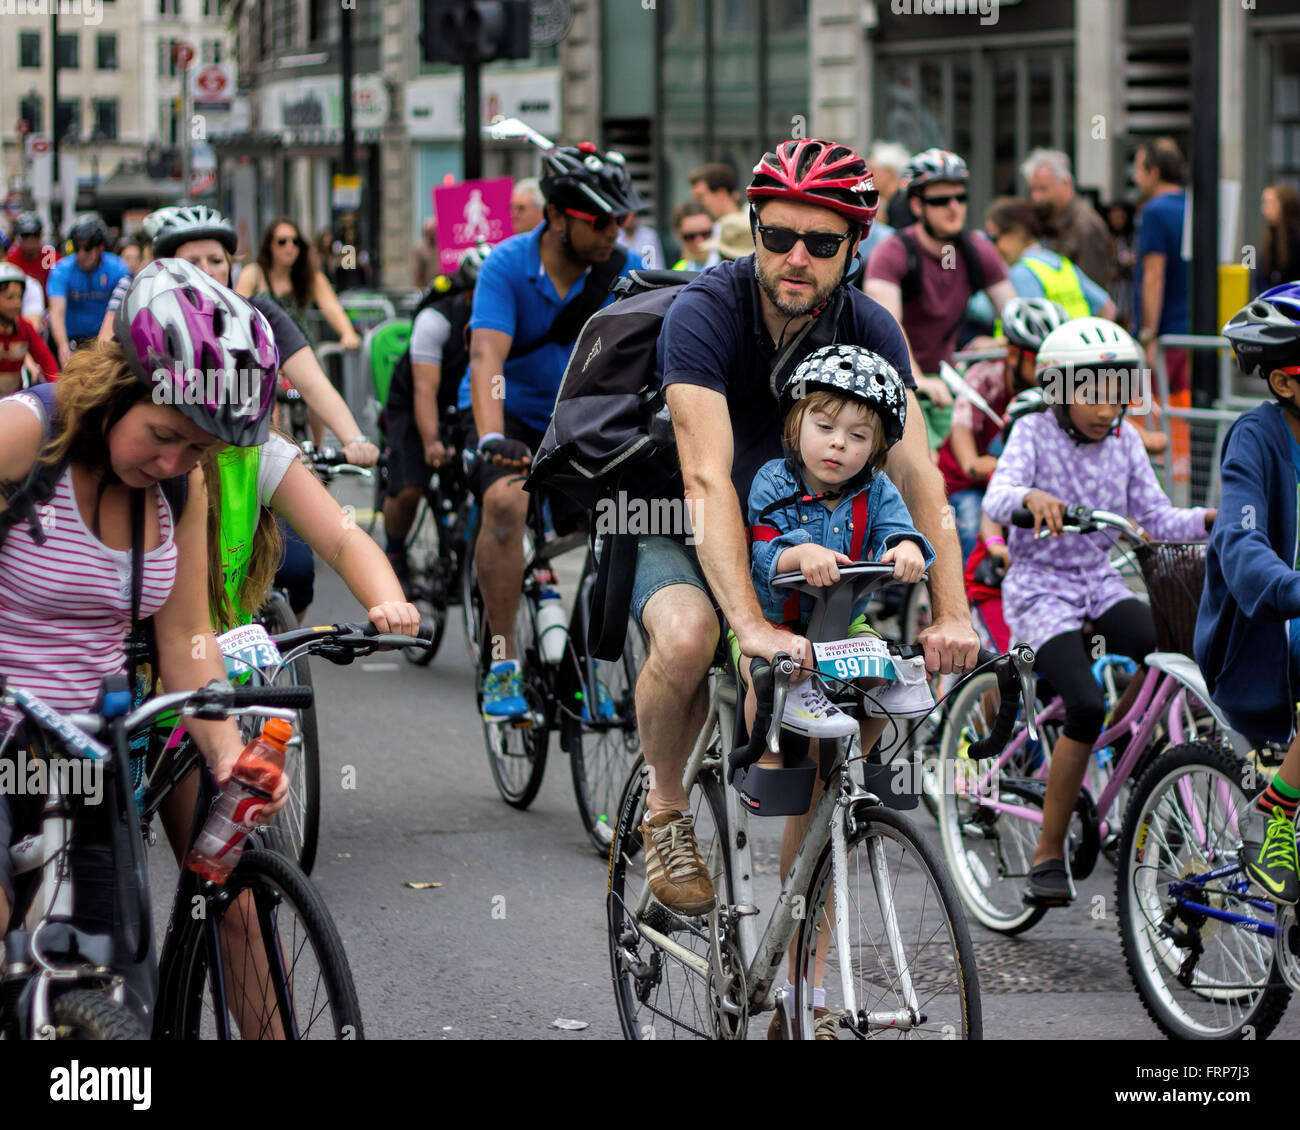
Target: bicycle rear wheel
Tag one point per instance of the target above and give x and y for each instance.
(1198, 977)
(423, 552)
(296, 828)
(659, 995)
(604, 743)
(280, 970)
(912, 961)
(517, 749)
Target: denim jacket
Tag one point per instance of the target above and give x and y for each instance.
(798, 522)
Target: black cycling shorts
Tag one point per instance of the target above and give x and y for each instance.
(565, 513)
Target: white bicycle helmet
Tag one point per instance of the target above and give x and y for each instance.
(9, 272)
(185, 223)
(213, 350)
(1086, 343)
(1027, 321)
(933, 165)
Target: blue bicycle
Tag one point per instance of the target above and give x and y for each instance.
(1211, 958)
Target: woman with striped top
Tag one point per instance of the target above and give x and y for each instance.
(127, 420)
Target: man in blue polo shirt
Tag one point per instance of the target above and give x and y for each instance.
(80, 286)
(519, 347)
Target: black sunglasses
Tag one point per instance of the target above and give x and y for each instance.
(598, 223)
(944, 201)
(694, 235)
(820, 244)
(283, 241)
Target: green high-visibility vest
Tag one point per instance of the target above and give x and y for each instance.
(1060, 284)
(240, 510)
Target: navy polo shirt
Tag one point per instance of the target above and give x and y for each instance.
(515, 296)
(714, 337)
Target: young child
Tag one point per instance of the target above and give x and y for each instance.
(968, 455)
(829, 503)
(1248, 626)
(17, 337)
(1078, 452)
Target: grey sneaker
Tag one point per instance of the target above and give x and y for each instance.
(1268, 855)
(677, 875)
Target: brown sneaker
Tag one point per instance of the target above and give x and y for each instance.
(825, 1025)
(677, 875)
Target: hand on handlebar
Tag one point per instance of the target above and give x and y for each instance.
(908, 561)
(395, 617)
(435, 454)
(765, 641)
(508, 454)
(950, 645)
(1047, 509)
(350, 340)
(819, 565)
(361, 454)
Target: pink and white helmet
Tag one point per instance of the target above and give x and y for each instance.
(202, 349)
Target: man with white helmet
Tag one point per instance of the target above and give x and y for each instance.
(926, 273)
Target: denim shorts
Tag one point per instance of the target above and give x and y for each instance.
(662, 561)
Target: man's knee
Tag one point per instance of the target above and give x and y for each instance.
(683, 631)
(505, 506)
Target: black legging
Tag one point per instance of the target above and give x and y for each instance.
(1066, 661)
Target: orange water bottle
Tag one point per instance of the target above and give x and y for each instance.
(256, 775)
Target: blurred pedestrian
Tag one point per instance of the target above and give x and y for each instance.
(30, 253)
(633, 235)
(1079, 232)
(887, 162)
(1279, 239)
(131, 253)
(526, 203)
(1119, 221)
(693, 227)
(714, 186)
(424, 257)
(735, 239)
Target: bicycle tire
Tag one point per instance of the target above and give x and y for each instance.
(517, 753)
(600, 755)
(91, 1014)
(992, 895)
(629, 951)
(187, 1003)
(1192, 1000)
(471, 602)
(942, 972)
(423, 552)
(295, 831)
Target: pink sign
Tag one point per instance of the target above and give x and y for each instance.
(474, 211)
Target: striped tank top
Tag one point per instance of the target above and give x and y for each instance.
(65, 606)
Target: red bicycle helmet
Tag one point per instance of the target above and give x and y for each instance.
(818, 172)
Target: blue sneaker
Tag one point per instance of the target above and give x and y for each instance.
(503, 692)
(604, 705)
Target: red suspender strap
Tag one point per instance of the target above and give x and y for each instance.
(859, 525)
(763, 533)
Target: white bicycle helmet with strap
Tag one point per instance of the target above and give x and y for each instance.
(10, 272)
(176, 226)
(1026, 322)
(1083, 347)
(932, 165)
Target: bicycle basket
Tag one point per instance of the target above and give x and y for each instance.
(1174, 574)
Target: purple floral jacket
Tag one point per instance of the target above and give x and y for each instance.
(1055, 583)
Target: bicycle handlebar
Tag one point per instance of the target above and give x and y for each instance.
(1015, 684)
(769, 692)
(359, 638)
(1080, 520)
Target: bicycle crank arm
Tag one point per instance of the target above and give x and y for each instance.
(692, 960)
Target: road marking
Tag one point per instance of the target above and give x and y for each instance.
(379, 666)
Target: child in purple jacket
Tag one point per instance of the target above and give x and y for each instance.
(1077, 452)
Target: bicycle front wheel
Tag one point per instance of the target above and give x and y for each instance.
(91, 1014)
(603, 745)
(910, 958)
(661, 992)
(267, 963)
(1199, 977)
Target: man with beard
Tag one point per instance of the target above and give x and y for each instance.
(516, 361)
(925, 274)
(811, 202)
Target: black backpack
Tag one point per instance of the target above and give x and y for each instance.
(909, 286)
(610, 432)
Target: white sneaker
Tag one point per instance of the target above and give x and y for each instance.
(908, 697)
(808, 711)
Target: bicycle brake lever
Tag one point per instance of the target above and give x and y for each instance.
(1022, 658)
(782, 669)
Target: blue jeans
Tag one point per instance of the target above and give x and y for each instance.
(966, 513)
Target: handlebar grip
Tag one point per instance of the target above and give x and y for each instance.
(1004, 723)
(1022, 518)
(289, 698)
